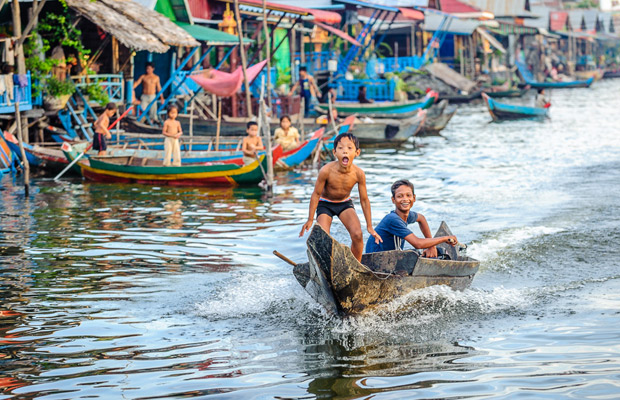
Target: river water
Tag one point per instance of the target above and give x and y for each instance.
(136, 292)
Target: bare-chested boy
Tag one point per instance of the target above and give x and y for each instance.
(332, 194)
(251, 143)
(101, 129)
(150, 87)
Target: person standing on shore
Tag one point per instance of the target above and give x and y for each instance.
(150, 87)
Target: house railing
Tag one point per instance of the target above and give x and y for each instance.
(391, 64)
(22, 93)
(376, 89)
(112, 84)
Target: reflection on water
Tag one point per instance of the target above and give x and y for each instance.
(142, 292)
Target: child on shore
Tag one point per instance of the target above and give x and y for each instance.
(286, 135)
(332, 194)
(172, 131)
(101, 129)
(251, 143)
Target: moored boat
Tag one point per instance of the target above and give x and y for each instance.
(130, 169)
(388, 132)
(437, 117)
(529, 79)
(508, 93)
(6, 157)
(386, 109)
(344, 286)
(500, 111)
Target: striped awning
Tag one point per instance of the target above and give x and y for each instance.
(506, 29)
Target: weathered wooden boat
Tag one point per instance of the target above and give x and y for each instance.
(508, 93)
(460, 98)
(500, 111)
(384, 109)
(129, 169)
(344, 286)
(529, 79)
(611, 73)
(437, 117)
(295, 157)
(6, 157)
(44, 156)
(388, 132)
(597, 74)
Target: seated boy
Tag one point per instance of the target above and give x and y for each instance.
(393, 227)
(332, 194)
(251, 143)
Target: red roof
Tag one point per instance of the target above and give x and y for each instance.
(328, 17)
(456, 6)
(558, 20)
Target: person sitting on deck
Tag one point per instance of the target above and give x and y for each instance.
(101, 129)
(332, 194)
(541, 100)
(251, 143)
(172, 131)
(361, 96)
(393, 227)
(286, 135)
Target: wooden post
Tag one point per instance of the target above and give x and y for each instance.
(219, 124)
(118, 128)
(268, 46)
(244, 66)
(302, 104)
(331, 113)
(20, 139)
(191, 124)
(19, 56)
(267, 134)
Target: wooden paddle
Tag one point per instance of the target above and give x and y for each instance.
(284, 258)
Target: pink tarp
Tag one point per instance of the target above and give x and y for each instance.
(224, 84)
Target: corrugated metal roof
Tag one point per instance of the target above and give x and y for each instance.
(576, 19)
(503, 8)
(456, 26)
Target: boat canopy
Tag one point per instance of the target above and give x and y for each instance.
(226, 84)
(211, 36)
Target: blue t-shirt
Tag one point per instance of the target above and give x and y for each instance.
(393, 231)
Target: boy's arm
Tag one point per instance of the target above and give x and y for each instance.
(158, 88)
(361, 186)
(293, 88)
(314, 199)
(260, 146)
(429, 242)
(426, 231)
(104, 127)
(244, 148)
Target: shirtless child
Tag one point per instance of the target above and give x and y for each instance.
(101, 129)
(150, 87)
(332, 194)
(251, 143)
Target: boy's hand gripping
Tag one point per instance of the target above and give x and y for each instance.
(375, 235)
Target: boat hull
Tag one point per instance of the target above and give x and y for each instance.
(386, 133)
(437, 120)
(344, 286)
(380, 109)
(505, 112)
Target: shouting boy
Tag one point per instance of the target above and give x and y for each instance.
(332, 194)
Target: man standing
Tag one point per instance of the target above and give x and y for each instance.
(150, 87)
(309, 88)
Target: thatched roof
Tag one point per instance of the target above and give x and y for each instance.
(134, 25)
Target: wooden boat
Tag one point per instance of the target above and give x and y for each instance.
(129, 169)
(529, 79)
(508, 92)
(344, 286)
(500, 111)
(44, 156)
(388, 132)
(437, 117)
(295, 157)
(460, 98)
(597, 74)
(6, 157)
(384, 109)
(611, 73)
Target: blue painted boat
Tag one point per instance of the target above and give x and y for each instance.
(529, 79)
(501, 112)
(6, 157)
(387, 109)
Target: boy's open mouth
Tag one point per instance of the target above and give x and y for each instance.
(345, 160)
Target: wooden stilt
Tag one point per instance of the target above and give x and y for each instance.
(244, 66)
(20, 139)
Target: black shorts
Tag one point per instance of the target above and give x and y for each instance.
(332, 208)
(99, 142)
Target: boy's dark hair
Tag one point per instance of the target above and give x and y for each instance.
(399, 183)
(110, 106)
(350, 136)
(172, 107)
(282, 118)
(149, 64)
(303, 69)
(540, 90)
(250, 124)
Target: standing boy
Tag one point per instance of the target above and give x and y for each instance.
(150, 87)
(308, 88)
(101, 129)
(172, 132)
(332, 194)
(251, 143)
(393, 227)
